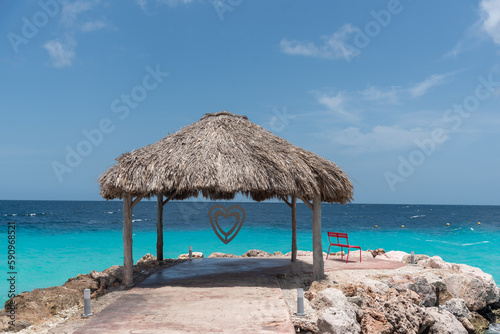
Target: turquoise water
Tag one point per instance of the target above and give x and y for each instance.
(58, 240)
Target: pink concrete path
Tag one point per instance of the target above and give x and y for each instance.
(227, 295)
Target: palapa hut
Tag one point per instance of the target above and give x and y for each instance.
(217, 157)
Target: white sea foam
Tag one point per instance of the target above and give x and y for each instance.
(457, 244)
(32, 214)
(476, 243)
(417, 216)
(136, 220)
(110, 212)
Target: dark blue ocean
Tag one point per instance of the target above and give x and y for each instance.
(56, 240)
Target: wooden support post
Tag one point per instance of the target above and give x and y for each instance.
(318, 264)
(294, 228)
(159, 229)
(128, 262)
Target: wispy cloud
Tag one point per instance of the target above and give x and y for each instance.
(341, 102)
(335, 102)
(333, 47)
(423, 87)
(379, 95)
(71, 16)
(490, 16)
(378, 139)
(62, 50)
(487, 25)
(352, 110)
(71, 10)
(61, 53)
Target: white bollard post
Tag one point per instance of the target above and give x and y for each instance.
(190, 252)
(412, 257)
(86, 303)
(300, 302)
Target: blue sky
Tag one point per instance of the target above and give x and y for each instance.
(402, 95)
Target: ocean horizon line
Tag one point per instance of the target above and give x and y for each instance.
(237, 201)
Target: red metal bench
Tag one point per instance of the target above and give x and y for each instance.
(338, 236)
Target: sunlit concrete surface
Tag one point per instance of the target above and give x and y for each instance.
(221, 295)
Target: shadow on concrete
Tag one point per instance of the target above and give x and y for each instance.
(233, 272)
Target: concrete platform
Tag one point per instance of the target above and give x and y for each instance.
(226, 295)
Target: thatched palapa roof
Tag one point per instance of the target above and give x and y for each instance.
(220, 155)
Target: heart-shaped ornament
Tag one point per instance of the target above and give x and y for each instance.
(218, 211)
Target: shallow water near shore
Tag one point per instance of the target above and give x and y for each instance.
(56, 240)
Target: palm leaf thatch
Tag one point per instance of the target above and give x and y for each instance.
(219, 156)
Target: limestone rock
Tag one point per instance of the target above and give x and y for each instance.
(442, 293)
(492, 291)
(354, 255)
(424, 290)
(392, 256)
(81, 284)
(444, 322)
(480, 324)
(375, 322)
(318, 286)
(219, 255)
(256, 253)
(469, 288)
(116, 272)
(399, 308)
(307, 322)
(278, 253)
(434, 262)
(336, 313)
(418, 258)
(457, 307)
(405, 316)
(145, 259)
(376, 252)
(40, 304)
(497, 315)
(469, 327)
(104, 279)
(196, 255)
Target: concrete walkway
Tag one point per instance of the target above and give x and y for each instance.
(226, 295)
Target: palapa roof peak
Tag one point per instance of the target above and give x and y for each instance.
(220, 155)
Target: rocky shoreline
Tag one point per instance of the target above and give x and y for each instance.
(431, 296)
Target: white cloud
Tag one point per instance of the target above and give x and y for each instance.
(334, 46)
(335, 102)
(423, 87)
(341, 102)
(490, 12)
(61, 54)
(390, 95)
(71, 10)
(488, 24)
